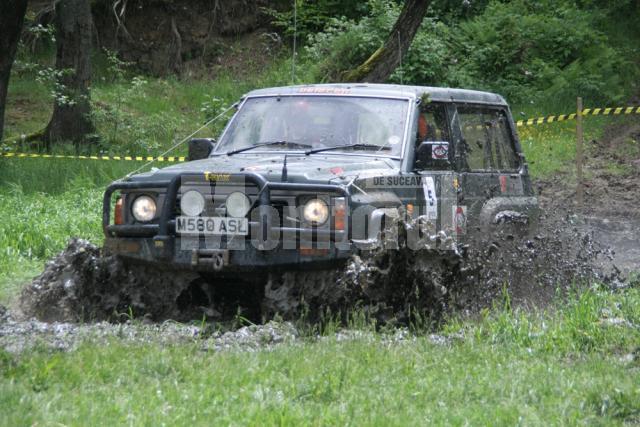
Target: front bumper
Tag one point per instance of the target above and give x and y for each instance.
(172, 252)
(159, 243)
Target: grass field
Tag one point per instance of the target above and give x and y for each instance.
(571, 366)
(577, 363)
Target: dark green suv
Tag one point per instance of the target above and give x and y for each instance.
(305, 176)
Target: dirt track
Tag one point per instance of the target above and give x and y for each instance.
(612, 192)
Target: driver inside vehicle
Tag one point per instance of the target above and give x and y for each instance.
(432, 125)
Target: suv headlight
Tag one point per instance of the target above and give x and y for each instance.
(144, 208)
(192, 203)
(238, 204)
(316, 211)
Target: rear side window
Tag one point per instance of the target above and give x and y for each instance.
(487, 140)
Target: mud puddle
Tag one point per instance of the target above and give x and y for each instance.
(84, 296)
(19, 336)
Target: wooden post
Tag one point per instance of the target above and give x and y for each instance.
(579, 159)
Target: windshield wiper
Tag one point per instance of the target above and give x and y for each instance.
(264, 144)
(338, 147)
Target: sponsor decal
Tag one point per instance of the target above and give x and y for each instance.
(329, 90)
(413, 181)
(460, 219)
(212, 176)
(503, 183)
(440, 152)
(429, 188)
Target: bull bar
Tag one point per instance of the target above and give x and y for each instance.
(161, 231)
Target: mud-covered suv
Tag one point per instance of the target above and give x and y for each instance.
(306, 176)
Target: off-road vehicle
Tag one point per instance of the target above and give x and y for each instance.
(306, 177)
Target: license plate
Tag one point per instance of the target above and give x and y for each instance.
(212, 225)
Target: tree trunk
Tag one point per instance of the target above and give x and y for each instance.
(71, 119)
(379, 66)
(11, 20)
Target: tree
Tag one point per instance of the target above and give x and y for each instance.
(11, 19)
(379, 66)
(71, 119)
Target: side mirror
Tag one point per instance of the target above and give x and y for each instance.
(432, 154)
(200, 148)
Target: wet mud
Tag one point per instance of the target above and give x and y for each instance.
(19, 336)
(391, 286)
(80, 284)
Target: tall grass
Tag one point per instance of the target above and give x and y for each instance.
(139, 115)
(551, 148)
(44, 202)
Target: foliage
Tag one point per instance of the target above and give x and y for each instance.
(538, 51)
(455, 10)
(528, 51)
(345, 43)
(312, 16)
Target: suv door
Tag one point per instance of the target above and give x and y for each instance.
(436, 195)
(491, 172)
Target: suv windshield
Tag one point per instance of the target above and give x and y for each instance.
(308, 123)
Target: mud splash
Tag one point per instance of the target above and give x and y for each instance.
(80, 284)
(391, 286)
(398, 286)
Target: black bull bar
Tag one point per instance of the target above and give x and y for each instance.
(161, 230)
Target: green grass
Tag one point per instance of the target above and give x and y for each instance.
(564, 367)
(43, 203)
(551, 148)
(135, 114)
(36, 226)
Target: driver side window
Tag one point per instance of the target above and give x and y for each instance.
(432, 124)
(432, 138)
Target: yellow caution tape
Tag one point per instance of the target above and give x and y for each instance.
(519, 123)
(126, 158)
(585, 112)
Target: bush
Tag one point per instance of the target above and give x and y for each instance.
(313, 15)
(532, 51)
(529, 51)
(345, 43)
